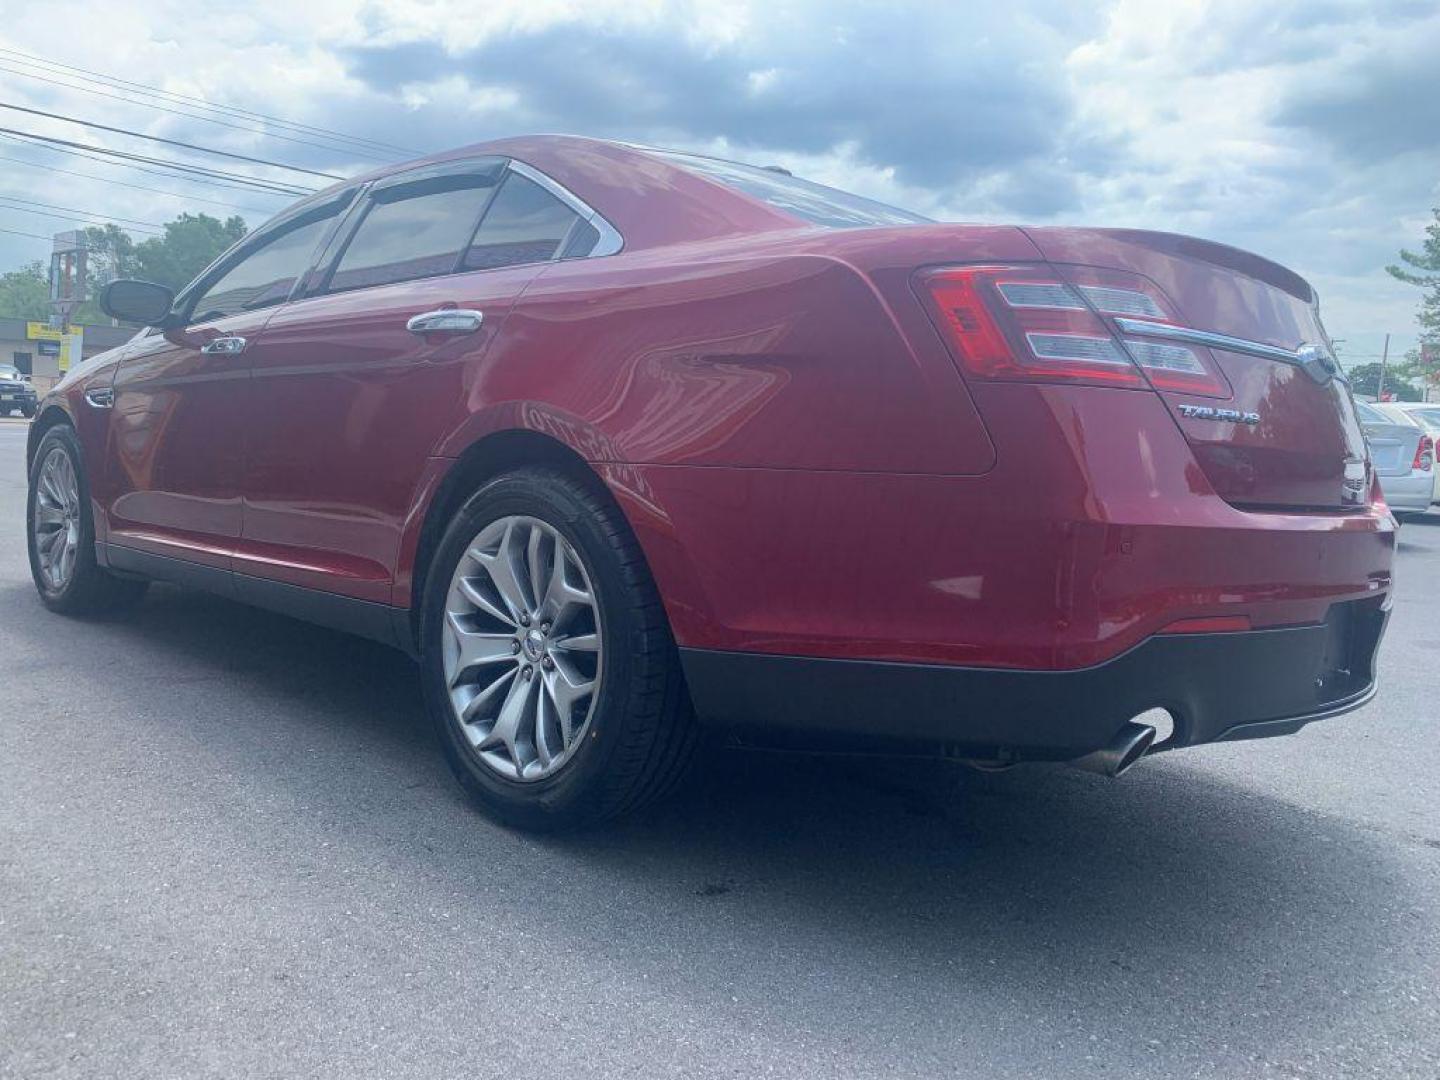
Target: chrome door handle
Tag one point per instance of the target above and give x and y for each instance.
(446, 321)
(225, 345)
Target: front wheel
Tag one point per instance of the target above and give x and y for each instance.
(61, 534)
(27, 411)
(548, 665)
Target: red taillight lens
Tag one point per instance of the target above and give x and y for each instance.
(1424, 454)
(1024, 322)
(1021, 323)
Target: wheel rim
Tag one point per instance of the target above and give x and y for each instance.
(522, 647)
(56, 528)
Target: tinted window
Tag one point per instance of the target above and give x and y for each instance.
(408, 238)
(266, 275)
(815, 203)
(1369, 415)
(583, 238)
(524, 224)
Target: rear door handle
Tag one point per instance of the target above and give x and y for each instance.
(446, 321)
(228, 346)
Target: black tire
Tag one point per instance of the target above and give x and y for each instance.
(90, 589)
(27, 411)
(642, 731)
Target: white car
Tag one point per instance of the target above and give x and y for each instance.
(1404, 458)
(1427, 415)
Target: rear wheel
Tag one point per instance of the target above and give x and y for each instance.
(27, 411)
(61, 534)
(549, 669)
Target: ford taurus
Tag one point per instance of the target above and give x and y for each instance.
(625, 444)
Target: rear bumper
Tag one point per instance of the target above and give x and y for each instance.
(1409, 494)
(1216, 686)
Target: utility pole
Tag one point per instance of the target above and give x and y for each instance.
(68, 279)
(1384, 358)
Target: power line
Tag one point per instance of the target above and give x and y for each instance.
(236, 180)
(169, 142)
(78, 221)
(87, 213)
(358, 152)
(136, 187)
(32, 235)
(31, 60)
(273, 186)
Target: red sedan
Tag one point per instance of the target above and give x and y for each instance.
(621, 443)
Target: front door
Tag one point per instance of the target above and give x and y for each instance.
(177, 431)
(173, 486)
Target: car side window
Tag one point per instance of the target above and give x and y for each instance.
(266, 274)
(406, 238)
(525, 224)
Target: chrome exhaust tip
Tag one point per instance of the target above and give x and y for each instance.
(1124, 750)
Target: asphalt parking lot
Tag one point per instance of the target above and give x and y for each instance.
(227, 848)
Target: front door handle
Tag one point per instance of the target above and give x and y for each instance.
(446, 321)
(228, 346)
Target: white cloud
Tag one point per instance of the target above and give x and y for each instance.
(1301, 129)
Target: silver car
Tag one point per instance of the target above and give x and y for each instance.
(1404, 459)
(1427, 415)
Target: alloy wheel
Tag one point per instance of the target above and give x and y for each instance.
(56, 525)
(522, 647)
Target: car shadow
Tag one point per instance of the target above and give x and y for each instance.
(1034, 903)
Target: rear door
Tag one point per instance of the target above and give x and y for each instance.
(358, 380)
(172, 485)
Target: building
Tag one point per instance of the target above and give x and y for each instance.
(40, 352)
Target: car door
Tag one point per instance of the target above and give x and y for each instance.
(357, 382)
(172, 483)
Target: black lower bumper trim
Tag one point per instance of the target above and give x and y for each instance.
(1216, 687)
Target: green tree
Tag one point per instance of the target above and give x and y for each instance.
(1422, 269)
(25, 293)
(1365, 378)
(191, 243)
(110, 254)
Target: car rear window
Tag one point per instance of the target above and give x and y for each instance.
(1370, 415)
(814, 203)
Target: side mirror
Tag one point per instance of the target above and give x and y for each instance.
(133, 301)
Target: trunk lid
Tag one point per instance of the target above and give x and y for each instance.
(1287, 436)
(1392, 443)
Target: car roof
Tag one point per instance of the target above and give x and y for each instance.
(651, 201)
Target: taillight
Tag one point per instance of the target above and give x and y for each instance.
(1027, 323)
(1424, 454)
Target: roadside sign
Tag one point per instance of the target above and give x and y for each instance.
(39, 331)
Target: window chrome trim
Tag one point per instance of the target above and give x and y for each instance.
(610, 241)
(1314, 360)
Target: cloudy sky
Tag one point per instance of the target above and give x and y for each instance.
(1308, 131)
